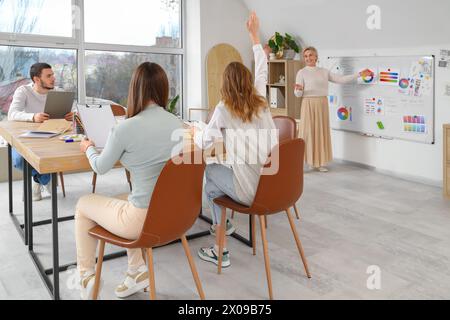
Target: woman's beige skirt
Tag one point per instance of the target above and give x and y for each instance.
(315, 130)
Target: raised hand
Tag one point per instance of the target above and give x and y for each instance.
(253, 28)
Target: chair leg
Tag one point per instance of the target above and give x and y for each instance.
(265, 221)
(61, 177)
(254, 234)
(94, 182)
(151, 274)
(221, 231)
(193, 268)
(266, 255)
(129, 179)
(232, 214)
(98, 271)
(297, 214)
(299, 244)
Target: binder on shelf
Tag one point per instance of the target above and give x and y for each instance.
(277, 99)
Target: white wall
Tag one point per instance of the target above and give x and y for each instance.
(338, 28)
(210, 22)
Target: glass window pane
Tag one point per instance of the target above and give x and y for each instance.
(15, 63)
(38, 17)
(108, 74)
(134, 22)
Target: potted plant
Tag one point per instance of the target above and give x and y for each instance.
(172, 106)
(282, 45)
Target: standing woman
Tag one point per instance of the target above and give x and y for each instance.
(312, 85)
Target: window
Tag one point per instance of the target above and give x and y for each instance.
(118, 35)
(36, 17)
(108, 74)
(15, 63)
(134, 22)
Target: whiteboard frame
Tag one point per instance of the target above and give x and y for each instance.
(366, 134)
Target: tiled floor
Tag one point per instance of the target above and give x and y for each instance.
(352, 218)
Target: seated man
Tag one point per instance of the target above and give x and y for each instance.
(28, 105)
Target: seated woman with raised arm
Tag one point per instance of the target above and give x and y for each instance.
(244, 122)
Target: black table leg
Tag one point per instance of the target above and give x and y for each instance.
(29, 226)
(26, 194)
(10, 179)
(55, 237)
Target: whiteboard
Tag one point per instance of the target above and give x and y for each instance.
(397, 103)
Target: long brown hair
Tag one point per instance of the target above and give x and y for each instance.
(149, 83)
(239, 94)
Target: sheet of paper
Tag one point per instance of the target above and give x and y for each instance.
(369, 79)
(389, 76)
(344, 114)
(414, 124)
(98, 120)
(374, 106)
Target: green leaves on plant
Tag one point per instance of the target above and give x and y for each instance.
(172, 106)
(278, 42)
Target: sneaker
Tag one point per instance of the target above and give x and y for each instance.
(133, 283)
(47, 190)
(209, 254)
(37, 195)
(230, 229)
(322, 169)
(87, 287)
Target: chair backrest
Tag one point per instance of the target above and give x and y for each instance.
(118, 111)
(286, 126)
(282, 190)
(176, 201)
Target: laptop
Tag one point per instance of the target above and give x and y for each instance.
(59, 103)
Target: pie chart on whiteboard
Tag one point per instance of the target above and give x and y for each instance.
(343, 114)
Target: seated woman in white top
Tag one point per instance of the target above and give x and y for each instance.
(244, 122)
(143, 144)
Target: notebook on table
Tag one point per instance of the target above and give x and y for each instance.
(49, 129)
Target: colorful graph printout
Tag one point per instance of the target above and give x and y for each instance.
(374, 106)
(368, 79)
(389, 76)
(344, 114)
(414, 124)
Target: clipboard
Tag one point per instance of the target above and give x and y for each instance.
(98, 120)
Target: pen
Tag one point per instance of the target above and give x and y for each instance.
(69, 141)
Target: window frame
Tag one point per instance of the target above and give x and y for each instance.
(77, 42)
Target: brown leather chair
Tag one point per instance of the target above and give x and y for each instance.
(167, 220)
(287, 131)
(275, 193)
(118, 111)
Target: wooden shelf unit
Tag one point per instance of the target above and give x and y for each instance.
(447, 160)
(288, 69)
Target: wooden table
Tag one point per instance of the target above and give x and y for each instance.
(47, 156)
